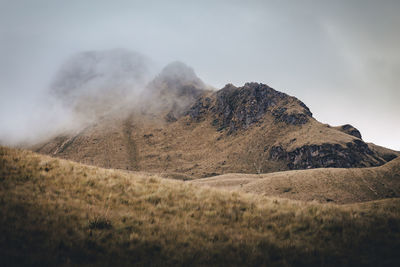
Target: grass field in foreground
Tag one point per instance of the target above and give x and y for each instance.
(56, 212)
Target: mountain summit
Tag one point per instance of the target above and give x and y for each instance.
(176, 75)
(240, 107)
(173, 91)
(182, 128)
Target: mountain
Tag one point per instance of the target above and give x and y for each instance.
(182, 127)
(288, 132)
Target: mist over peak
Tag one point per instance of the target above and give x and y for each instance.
(173, 90)
(89, 85)
(94, 81)
(176, 75)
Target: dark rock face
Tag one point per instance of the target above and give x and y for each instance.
(355, 154)
(389, 157)
(239, 107)
(349, 129)
(280, 114)
(200, 108)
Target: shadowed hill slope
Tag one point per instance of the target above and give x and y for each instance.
(323, 185)
(56, 212)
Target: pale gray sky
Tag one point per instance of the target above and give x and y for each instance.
(339, 57)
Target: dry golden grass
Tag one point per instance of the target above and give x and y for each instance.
(56, 212)
(324, 185)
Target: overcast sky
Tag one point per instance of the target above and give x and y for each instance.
(341, 58)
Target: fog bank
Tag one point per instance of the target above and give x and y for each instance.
(339, 57)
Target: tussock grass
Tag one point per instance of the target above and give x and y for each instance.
(55, 212)
(338, 185)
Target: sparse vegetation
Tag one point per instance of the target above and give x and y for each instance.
(49, 209)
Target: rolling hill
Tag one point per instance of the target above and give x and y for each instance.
(58, 212)
(336, 185)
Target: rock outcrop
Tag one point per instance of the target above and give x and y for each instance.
(349, 129)
(353, 154)
(236, 108)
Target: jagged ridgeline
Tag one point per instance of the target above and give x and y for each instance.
(178, 125)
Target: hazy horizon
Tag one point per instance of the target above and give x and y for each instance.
(340, 58)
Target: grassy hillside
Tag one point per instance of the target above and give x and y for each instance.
(251, 129)
(56, 212)
(196, 149)
(323, 185)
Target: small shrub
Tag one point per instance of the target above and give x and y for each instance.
(100, 223)
(155, 200)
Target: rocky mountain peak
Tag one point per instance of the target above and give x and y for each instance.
(239, 107)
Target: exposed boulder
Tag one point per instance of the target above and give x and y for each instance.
(349, 129)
